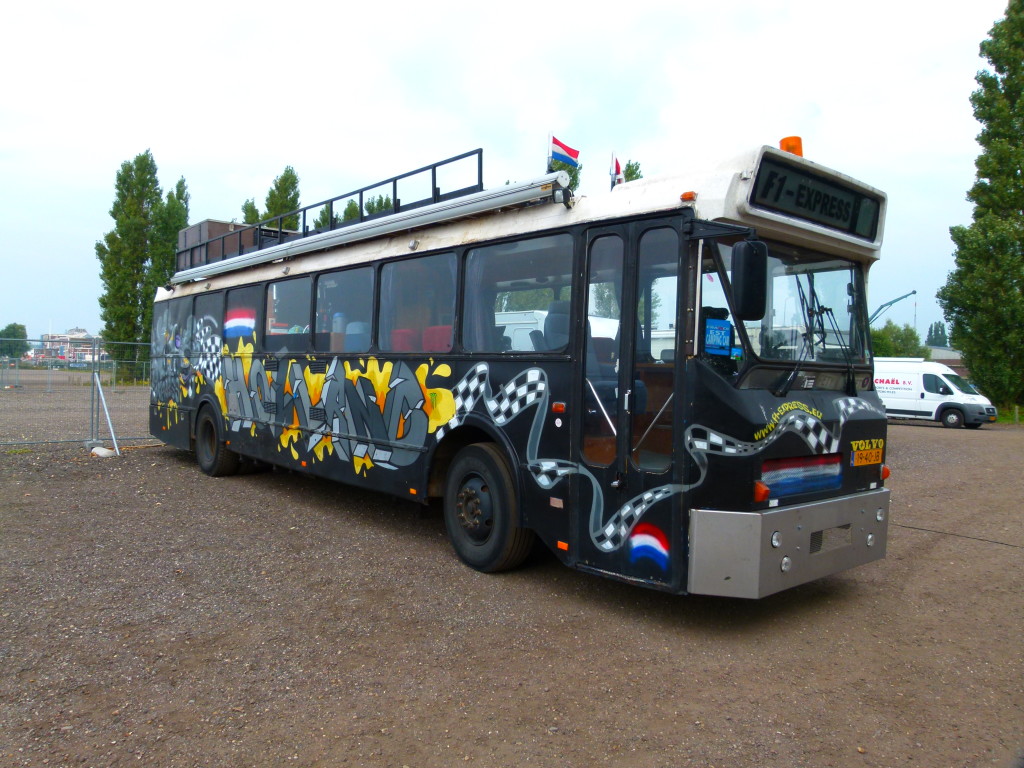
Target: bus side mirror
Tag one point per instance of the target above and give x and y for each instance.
(749, 279)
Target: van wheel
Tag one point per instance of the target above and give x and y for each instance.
(212, 454)
(952, 418)
(480, 511)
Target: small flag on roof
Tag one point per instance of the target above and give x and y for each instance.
(616, 172)
(563, 153)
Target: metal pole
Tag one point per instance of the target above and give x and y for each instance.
(110, 425)
(94, 426)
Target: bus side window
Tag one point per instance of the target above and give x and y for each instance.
(171, 329)
(288, 313)
(517, 296)
(344, 310)
(417, 304)
(240, 318)
(207, 316)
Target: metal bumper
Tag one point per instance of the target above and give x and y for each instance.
(754, 554)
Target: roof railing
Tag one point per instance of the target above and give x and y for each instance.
(210, 241)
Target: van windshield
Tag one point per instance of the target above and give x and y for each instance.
(960, 383)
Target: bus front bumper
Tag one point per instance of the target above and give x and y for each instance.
(754, 554)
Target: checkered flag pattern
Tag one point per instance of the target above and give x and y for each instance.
(547, 472)
(812, 430)
(848, 406)
(611, 535)
(207, 346)
(520, 393)
(700, 441)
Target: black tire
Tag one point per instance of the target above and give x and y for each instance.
(212, 454)
(952, 418)
(481, 513)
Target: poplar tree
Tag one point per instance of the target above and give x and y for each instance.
(282, 197)
(983, 298)
(937, 335)
(138, 254)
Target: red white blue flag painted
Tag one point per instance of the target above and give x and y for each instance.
(239, 323)
(648, 542)
(563, 153)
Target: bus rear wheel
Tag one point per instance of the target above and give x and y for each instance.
(212, 454)
(480, 511)
(952, 418)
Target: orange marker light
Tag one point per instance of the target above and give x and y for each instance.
(412, 491)
(792, 144)
(564, 546)
(558, 407)
(688, 197)
(761, 492)
(885, 472)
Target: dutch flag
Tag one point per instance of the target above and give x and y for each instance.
(648, 542)
(618, 177)
(239, 323)
(563, 153)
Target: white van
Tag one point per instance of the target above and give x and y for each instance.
(914, 388)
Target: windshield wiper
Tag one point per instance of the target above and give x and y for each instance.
(788, 383)
(851, 383)
(807, 310)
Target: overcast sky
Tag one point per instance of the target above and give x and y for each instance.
(228, 94)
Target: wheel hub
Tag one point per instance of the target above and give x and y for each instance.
(474, 509)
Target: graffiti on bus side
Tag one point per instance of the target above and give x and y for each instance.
(378, 414)
(366, 412)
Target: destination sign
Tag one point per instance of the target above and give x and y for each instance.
(798, 192)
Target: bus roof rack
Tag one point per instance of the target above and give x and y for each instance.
(213, 247)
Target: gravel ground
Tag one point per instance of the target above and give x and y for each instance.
(152, 615)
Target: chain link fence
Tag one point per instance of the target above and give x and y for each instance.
(71, 391)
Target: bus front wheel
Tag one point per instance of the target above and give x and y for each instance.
(480, 511)
(212, 454)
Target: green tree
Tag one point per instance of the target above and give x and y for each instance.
(282, 198)
(632, 171)
(349, 213)
(11, 340)
(892, 340)
(250, 213)
(168, 219)
(937, 335)
(138, 254)
(377, 204)
(325, 220)
(574, 172)
(983, 298)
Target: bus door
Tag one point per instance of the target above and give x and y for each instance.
(627, 509)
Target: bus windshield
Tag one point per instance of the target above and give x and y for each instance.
(815, 308)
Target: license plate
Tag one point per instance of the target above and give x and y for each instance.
(864, 458)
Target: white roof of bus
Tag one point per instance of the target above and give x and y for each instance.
(722, 193)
